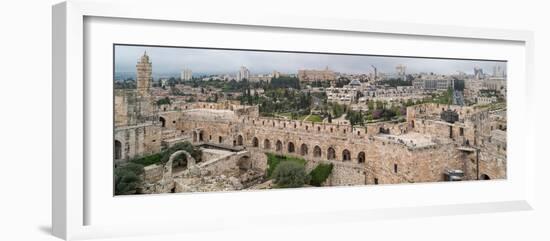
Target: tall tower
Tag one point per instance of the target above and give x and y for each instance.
(144, 75)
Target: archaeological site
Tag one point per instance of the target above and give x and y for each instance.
(254, 129)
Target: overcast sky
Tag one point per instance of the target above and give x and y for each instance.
(214, 61)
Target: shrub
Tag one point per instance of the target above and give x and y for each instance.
(163, 156)
(274, 160)
(290, 174)
(320, 174)
(127, 178)
(164, 101)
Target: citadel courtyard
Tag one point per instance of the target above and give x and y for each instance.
(201, 132)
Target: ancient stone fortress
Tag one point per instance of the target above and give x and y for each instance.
(436, 143)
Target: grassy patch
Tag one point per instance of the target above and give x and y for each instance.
(149, 160)
(314, 118)
(320, 174)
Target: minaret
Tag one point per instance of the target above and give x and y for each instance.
(144, 75)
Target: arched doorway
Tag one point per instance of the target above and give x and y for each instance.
(118, 150)
(162, 121)
(361, 157)
(239, 140)
(303, 150)
(279, 146)
(267, 144)
(291, 147)
(244, 163)
(346, 155)
(331, 153)
(317, 151)
(255, 142)
(485, 177)
(201, 135)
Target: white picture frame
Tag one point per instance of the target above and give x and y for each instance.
(71, 192)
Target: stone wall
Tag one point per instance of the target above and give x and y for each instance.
(138, 140)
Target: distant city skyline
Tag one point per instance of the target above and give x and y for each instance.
(169, 60)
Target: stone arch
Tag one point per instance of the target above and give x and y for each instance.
(290, 147)
(346, 155)
(361, 157)
(331, 153)
(279, 146)
(240, 140)
(190, 160)
(244, 163)
(485, 177)
(303, 149)
(194, 136)
(317, 151)
(267, 144)
(255, 142)
(162, 121)
(118, 150)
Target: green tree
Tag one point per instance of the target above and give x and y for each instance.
(289, 174)
(320, 174)
(127, 178)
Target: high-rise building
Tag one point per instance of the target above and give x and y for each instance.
(498, 71)
(243, 74)
(144, 74)
(401, 71)
(186, 74)
(478, 73)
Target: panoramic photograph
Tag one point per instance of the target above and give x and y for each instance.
(189, 119)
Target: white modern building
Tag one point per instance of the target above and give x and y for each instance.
(186, 74)
(243, 73)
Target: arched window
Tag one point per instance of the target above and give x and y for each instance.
(279, 146)
(303, 149)
(255, 142)
(346, 155)
(162, 121)
(361, 157)
(240, 140)
(290, 147)
(331, 153)
(317, 151)
(220, 139)
(267, 144)
(118, 150)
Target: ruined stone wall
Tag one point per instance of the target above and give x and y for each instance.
(157, 178)
(234, 160)
(130, 108)
(138, 140)
(358, 157)
(403, 165)
(170, 118)
(413, 165)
